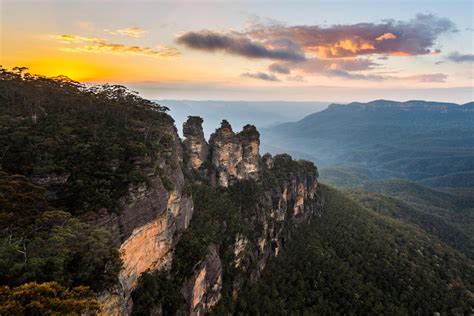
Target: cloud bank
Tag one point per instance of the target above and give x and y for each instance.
(344, 50)
(394, 38)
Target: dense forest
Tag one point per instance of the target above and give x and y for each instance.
(353, 260)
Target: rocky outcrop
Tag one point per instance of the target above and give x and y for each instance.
(203, 291)
(282, 207)
(226, 154)
(289, 198)
(194, 142)
(232, 156)
(154, 216)
(250, 142)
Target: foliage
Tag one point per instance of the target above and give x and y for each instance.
(355, 261)
(40, 244)
(46, 299)
(20, 203)
(445, 214)
(156, 290)
(96, 139)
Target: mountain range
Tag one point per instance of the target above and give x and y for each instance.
(428, 142)
(240, 113)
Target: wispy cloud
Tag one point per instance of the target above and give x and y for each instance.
(295, 78)
(237, 44)
(261, 76)
(75, 38)
(438, 77)
(460, 58)
(129, 31)
(423, 78)
(100, 45)
(279, 68)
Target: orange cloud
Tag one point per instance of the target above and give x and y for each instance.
(99, 45)
(75, 39)
(130, 32)
(397, 38)
(386, 36)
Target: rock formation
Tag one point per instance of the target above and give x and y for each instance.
(153, 216)
(203, 291)
(286, 203)
(233, 156)
(250, 142)
(226, 153)
(194, 142)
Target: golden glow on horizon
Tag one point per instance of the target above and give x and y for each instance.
(75, 69)
(120, 51)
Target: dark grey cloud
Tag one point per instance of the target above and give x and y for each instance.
(236, 44)
(461, 58)
(261, 76)
(279, 68)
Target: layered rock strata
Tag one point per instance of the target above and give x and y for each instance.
(233, 156)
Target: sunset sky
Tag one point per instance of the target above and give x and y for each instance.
(333, 51)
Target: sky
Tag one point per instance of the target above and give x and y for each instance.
(333, 51)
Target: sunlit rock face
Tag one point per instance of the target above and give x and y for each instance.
(194, 142)
(203, 291)
(250, 142)
(148, 227)
(226, 153)
(235, 156)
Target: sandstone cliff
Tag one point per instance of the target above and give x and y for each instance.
(153, 217)
(232, 156)
(287, 198)
(287, 195)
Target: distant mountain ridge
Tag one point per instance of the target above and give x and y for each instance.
(407, 105)
(419, 140)
(239, 113)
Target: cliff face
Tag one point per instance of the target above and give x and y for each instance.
(155, 214)
(289, 197)
(284, 203)
(149, 226)
(203, 290)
